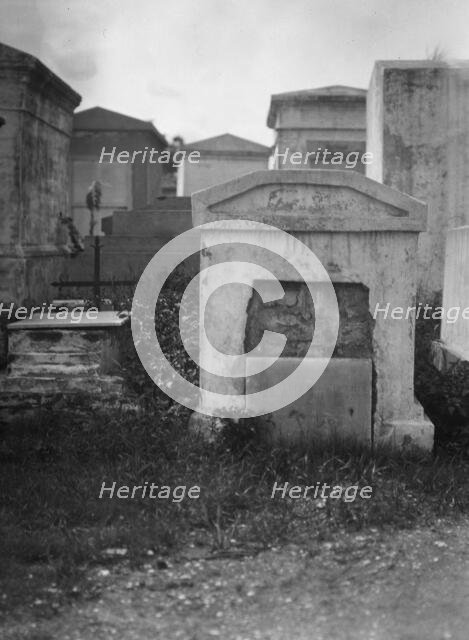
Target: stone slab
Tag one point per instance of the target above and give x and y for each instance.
(59, 340)
(418, 133)
(65, 358)
(147, 223)
(56, 370)
(104, 319)
(68, 303)
(406, 434)
(99, 385)
(454, 332)
(337, 408)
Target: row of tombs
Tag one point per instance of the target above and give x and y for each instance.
(379, 246)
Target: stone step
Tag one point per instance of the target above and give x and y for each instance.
(65, 358)
(57, 370)
(55, 340)
(163, 223)
(46, 385)
(18, 405)
(18, 401)
(122, 243)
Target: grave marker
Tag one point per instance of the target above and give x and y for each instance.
(364, 233)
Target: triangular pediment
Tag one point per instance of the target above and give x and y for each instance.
(311, 200)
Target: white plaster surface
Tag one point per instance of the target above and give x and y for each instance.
(337, 407)
(370, 238)
(418, 132)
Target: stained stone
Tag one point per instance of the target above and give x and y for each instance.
(365, 234)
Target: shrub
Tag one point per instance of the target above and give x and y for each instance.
(444, 396)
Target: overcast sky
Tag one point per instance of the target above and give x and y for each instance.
(204, 67)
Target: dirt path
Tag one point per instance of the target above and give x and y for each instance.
(410, 585)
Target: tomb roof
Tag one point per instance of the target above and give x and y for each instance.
(227, 142)
(14, 62)
(100, 119)
(340, 93)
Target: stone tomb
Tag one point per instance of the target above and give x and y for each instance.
(37, 107)
(365, 234)
(50, 357)
(313, 120)
(453, 346)
(418, 133)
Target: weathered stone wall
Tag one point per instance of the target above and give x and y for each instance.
(364, 234)
(219, 159)
(34, 175)
(293, 315)
(455, 325)
(418, 132)
(213, 169)
(331, 118)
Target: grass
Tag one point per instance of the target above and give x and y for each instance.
(53, 524)
(53, 467)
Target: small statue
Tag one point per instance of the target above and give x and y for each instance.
(93, 203)
(75, 243)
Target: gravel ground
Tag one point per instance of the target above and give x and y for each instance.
(405, 585)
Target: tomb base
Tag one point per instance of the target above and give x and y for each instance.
(415, 433)
(52, 358)
(337, 409)
(208, 428)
